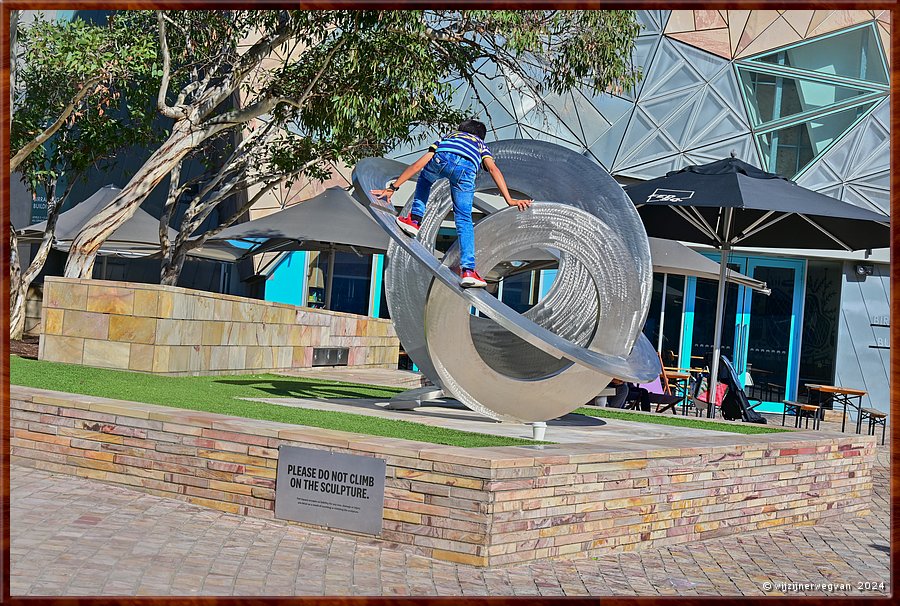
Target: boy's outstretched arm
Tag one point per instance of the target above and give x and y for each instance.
(497, 176)
(404, 176)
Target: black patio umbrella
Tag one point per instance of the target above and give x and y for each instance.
(330, 221)
(730, 203)
(136, 237)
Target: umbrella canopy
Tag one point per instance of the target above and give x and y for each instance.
(671, 257)
(730, 203)
(333, 219)
(136, 237)
(667, 257)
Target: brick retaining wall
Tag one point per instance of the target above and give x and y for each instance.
(481, 506)
(178, 331)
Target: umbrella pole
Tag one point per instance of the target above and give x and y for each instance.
(717, 339)
(329, 278)
(662, 314)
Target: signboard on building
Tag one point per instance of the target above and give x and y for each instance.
(38, 209)
(330, 489)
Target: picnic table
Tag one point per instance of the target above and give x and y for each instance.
(844, 396)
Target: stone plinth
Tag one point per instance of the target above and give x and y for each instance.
(177, 331)
(480, 506)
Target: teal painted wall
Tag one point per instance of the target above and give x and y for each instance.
(285, 283)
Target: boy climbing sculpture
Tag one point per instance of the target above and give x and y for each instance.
(456, 157)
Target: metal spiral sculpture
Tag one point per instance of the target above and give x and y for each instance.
(548, 361)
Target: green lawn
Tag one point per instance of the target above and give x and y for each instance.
(221, 395)
(224, 395)
(679, 421)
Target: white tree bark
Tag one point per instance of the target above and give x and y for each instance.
(20, 281)
(183, 139)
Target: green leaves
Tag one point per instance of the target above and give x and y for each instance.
(58, 60)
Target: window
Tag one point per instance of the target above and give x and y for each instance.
(852, 54)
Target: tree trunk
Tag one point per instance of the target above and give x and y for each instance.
(17, 300)
(16, 293)
(19, 280)
(172, 270)
(183, 139)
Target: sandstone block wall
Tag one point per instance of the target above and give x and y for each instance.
(479, 506)
(177, 331)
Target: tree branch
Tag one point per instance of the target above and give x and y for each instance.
(168, 208)
(51, 130)
(165, 110)
(268, 104)
(247, 63)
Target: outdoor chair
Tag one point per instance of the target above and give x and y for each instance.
(692, 401)
(658, 392)
(661, 394)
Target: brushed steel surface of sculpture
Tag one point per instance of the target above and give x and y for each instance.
(553, 358)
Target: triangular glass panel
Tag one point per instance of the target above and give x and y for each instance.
(669, 72)
(742, 147)
(724, 124)
(725, 85)
(835, 191)
(533, 133)
(592, 123)
(876, 200)
(854, 53)
(565, 109)
(879, 180)
(870, 149)
(819, 175)
(882, 113)
(657, 168)
(604, 149)
(838, 156)
(639, 129)
(549, 123)
(660, 108)
(648, 22)
(776, 96)
(789, 150)
(610, 107)
(504, 132)
(461, 96)
(656, 146)
(489, 94)
(643, 58)
(706, 64)
(679, 124)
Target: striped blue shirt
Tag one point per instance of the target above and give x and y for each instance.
(463, 144)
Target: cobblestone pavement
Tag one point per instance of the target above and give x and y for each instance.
(72, 536)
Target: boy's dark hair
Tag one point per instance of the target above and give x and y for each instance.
(474, 127)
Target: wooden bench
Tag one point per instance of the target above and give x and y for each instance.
(875, 418)
(813, 412)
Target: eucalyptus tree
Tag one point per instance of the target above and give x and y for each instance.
(77, 102)
(273, 95)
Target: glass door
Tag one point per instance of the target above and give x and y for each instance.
(769, 343)
(760, 333)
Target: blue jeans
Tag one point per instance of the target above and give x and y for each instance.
(461, 174)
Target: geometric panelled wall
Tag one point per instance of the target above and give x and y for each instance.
(800, 92)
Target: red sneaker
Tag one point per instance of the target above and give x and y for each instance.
(471, 279)
(408, 225)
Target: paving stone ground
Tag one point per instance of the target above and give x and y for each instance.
(73, 536)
